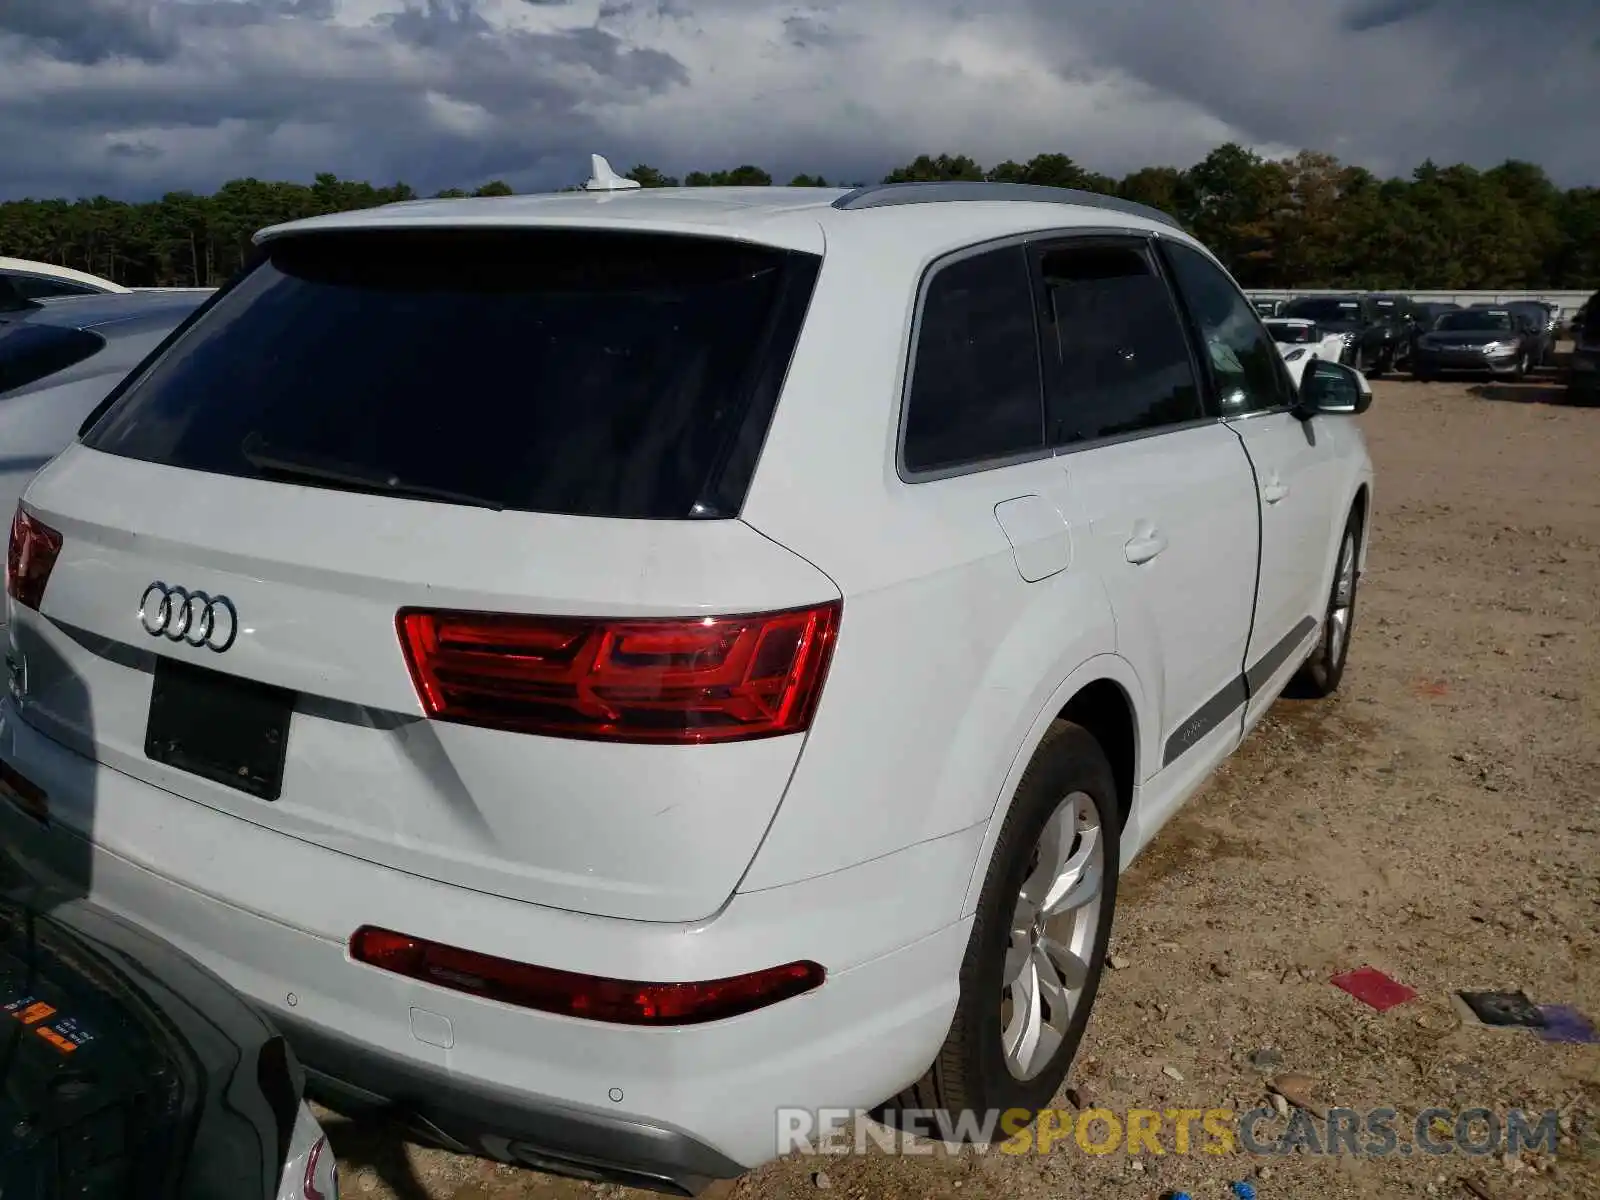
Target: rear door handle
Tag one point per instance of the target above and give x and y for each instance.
(1144, 545)
(1274, 491)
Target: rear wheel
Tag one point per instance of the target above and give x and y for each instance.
(1038, 942)
(1325, 668)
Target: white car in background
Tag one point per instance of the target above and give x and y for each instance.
(41, 280)
(59, 357)
(46, 281)
(1303, 342)
(598, 667)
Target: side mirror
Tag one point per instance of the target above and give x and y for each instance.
(1330, 387)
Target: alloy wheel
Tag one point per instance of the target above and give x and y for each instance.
(1053, 926)
(1342, 601)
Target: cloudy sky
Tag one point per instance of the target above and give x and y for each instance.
(135, 97)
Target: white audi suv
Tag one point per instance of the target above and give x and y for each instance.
(599, 667)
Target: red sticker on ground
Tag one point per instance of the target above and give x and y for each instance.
(1371, 986)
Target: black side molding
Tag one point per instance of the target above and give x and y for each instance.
(1206, 718)
(1269, 663)
(1234, 694)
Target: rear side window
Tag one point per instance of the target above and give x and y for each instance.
(28, 352)
(559, 371)
(976, 393)
(1117, 361)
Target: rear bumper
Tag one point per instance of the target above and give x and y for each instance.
(438, 1108)
(669, 1108)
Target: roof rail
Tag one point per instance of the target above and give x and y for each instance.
(882, 195)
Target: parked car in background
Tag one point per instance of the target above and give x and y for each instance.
(1541, 324)
(129, 1070)
(1493, 340)
(1583, 372)
(38, 280)
(1391, 306)
(1572, 321)
(1399, 312)
(1424, 313)
(1374, 342)
(499, 607)
(1266, 307)
(1303, 342)
(59, 358)
(1558, 323)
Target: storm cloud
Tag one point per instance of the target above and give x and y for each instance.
(135, 97)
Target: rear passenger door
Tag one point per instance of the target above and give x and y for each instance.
(1161, 488)
(1296, 473)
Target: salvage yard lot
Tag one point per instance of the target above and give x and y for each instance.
(1439, 820)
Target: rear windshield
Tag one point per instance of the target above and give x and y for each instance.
(29, 352)
(559, 371)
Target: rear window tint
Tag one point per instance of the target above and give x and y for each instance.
(560, 371)
(976, 389)
(29, 353)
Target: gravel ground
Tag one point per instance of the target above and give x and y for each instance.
(1438, 820)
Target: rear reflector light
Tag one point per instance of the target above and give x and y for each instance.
(683, 680)
(618, 1001)
(30, 557)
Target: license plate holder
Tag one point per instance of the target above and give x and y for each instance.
(220, 727)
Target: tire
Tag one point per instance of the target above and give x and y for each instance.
(1322, 672)
(1069, 777)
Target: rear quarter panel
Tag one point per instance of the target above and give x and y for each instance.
(945, 658)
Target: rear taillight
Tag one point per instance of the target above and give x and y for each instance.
(30, 556)
(618, 1001)
(683, 680)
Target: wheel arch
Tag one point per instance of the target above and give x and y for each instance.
(1361, 509)
(1104, 696)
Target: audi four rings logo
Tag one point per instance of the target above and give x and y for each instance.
(190, 617)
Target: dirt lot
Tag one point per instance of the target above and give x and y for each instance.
(1440, 820)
